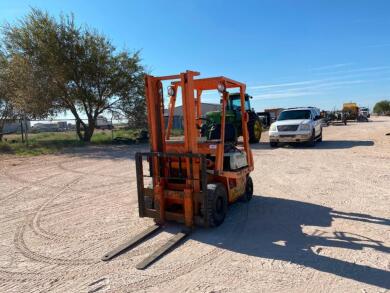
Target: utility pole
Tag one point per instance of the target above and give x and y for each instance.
(21, 129)
(112, 128)
(26, 127)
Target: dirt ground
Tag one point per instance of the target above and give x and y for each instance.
(319, 222)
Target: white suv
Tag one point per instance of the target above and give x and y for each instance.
(296, 125)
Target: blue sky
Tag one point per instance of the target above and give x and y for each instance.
(289, 53)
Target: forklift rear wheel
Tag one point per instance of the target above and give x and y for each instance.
(216, 204)
(247, 196)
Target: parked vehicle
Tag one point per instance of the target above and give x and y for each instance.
(297, 125)
(351, 110)
(364, 114)
(335, 117)
(364, 111)
(103, 123)
(265, 118)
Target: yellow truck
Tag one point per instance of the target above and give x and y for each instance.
(351, 110)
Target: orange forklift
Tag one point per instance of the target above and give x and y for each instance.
(193, 178)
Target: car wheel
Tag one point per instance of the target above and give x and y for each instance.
(273, 144)
(320, 137)
(312, 140)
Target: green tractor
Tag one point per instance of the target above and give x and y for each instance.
(211, 128)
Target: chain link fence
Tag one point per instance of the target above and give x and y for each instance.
(54, 134)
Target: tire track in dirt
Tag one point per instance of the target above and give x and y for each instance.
(62, 166)
(38, 230)
(24, 188)
(21, 214)
(8, 174)
(35, 224)
(17, 276)
(38, 183)
(21, 246)
(14, 193)
(35, 219)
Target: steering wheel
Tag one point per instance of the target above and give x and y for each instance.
(206, 119)
(203, 126)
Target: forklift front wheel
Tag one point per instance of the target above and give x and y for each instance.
(217, 204)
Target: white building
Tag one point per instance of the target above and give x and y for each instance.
(177, 122)
(14, 126)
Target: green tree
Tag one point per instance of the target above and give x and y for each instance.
(5, 113)
(78, 68)
(382, 107)
(28, 99)
(6, 109)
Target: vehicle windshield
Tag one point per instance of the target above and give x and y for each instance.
(236, 103)
(294, 114)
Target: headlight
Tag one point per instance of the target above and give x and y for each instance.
(304, 127)
(171, 91)
(221, 87)
(273, 127)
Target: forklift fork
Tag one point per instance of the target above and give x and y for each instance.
(162, 250)
(133, 242)
(140, 238)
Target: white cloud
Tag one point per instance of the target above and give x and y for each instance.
(274, 96)
(333, 66)
(357, 70)
(333, 80)
(288, 84)
(378, 46)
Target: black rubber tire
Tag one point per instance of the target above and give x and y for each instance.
(247, 196)
(252, 126)
(312, 141)
(319, 139)
(217, 204)
(273, 144)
